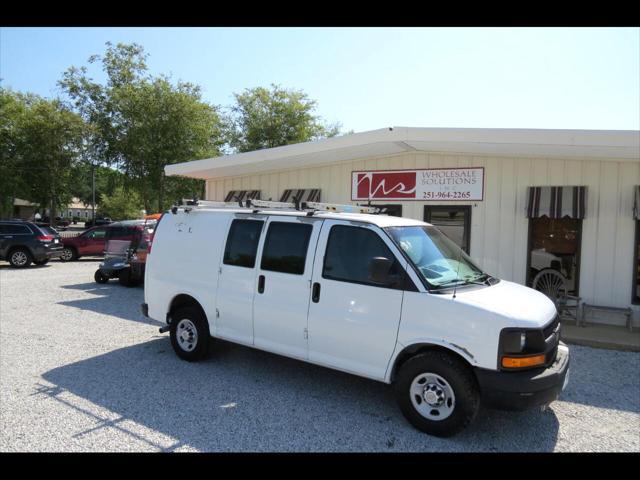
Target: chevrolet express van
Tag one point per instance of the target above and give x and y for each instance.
(387, 298)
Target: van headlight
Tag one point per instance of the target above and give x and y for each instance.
(520, 348)
(513, 341)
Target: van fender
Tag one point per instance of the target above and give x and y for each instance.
(404, 351)
(189, 297)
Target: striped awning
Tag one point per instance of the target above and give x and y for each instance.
(556, 202)
(302, 194)
(636, 203)
(240, 195)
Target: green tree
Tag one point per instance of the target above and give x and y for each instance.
(41, 142)
(141, 123)
(11, 181)
(169, 124)
(266, 118)
(107, 179)
(120, 205)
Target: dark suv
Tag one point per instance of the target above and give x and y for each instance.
(22, 243)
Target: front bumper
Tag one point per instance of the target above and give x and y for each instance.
(525, 389)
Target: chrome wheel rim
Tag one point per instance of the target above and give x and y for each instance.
(432, 396)
(66, 254)
(19, 258)
(187, 335)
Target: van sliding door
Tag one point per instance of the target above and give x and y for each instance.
(283, 283)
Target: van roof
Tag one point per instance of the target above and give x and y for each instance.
(379, 220)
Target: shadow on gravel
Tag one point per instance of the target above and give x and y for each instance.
(33, 266)
(111, 299)
(241, 399)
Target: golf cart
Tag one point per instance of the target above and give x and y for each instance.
(126, 246)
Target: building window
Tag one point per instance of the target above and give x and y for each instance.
(554, 244)
(391, 209)
(452, 220)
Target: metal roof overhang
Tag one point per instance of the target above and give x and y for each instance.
(620, 145)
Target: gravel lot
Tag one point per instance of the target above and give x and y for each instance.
(82, 370)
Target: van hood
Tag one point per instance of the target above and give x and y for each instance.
(523, 306)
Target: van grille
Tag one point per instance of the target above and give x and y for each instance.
(549, 329)
(552, 344)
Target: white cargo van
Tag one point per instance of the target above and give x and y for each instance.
(387, 298)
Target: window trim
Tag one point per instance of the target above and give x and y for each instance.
(635, 299)
(307, 226)
(405, 276)
(226, 245)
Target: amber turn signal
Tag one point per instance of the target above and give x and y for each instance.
(522, 362)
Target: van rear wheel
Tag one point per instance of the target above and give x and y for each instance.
(437, 393)
(189, 334)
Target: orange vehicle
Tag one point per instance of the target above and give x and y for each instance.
(141, 248)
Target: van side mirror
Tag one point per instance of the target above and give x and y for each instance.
(379, 270)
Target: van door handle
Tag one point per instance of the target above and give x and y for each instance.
(315, 293)
(261, 284)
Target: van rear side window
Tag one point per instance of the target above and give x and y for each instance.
(285, 248)
(242, 243)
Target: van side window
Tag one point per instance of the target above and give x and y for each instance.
(349, 254)
(285, 248)
(242, 243)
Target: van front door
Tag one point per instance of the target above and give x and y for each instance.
(354, 313)
(283, 284)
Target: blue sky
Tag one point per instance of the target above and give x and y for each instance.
(368, 78)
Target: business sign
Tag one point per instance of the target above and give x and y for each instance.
(444, 184)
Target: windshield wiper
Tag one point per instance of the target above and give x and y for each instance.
(465, 281)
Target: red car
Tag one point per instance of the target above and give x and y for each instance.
(92, 242)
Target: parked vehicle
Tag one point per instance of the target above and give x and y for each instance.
(97, 222)
(383, 297)
(23, 243)
(92, 242)
(127, 244)
(60, 223)
(141, 248)
(116, 262)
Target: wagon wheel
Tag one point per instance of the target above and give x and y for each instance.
(552, 283)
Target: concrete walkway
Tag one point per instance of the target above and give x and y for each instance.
(601, 336)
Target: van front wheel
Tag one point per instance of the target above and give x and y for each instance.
(189, 334)
(437, 393)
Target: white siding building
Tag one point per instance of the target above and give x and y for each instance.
(477, 185)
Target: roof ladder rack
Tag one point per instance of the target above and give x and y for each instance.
(256, 205)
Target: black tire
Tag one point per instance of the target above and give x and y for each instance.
(20, 258)
(461, 380)
(125, 278)
(100, 277)
(200, 348)
(41, 262)
(69, 254)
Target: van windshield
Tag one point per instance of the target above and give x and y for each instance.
(437, 258)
